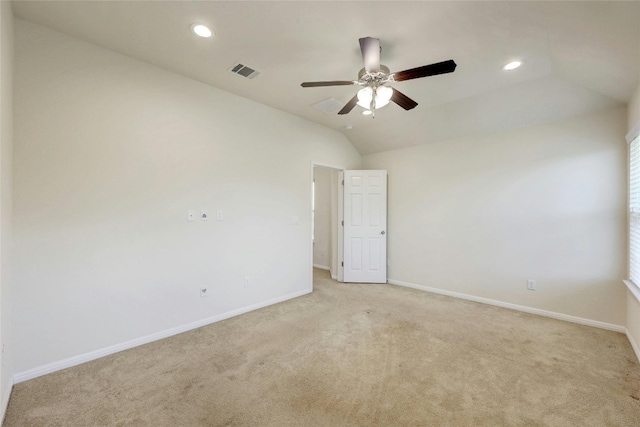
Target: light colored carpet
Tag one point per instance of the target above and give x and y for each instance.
(353, 355)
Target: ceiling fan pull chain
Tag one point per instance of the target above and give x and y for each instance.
(372, 107)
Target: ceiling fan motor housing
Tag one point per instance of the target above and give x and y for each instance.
(374, 79)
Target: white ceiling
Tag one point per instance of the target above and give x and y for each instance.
(578, 56)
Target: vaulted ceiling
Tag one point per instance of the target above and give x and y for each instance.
(578, 56)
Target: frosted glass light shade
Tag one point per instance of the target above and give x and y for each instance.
(383, 95)
(364, 97)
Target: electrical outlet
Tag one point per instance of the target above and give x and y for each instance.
(531, 285)
(203, 292)
(247, 281)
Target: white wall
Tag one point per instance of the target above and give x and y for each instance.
(633, 305)
(6, 144)
(110, 153)
(633, 118)
(481, 215)
(322, 247)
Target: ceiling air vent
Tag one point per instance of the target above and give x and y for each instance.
(330, 105)
(244, 71)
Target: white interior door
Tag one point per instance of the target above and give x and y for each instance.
(365, 226)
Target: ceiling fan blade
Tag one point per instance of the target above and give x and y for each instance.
(331, 83)
(403, 100)
(370, 48)
(425, 71)
(349, 106)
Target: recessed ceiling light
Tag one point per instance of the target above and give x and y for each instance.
(367, 112)
(201, 30)
(512, 65)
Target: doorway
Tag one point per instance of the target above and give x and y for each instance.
(326, 214)
(366, 223)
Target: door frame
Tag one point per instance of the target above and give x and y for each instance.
(340, 217)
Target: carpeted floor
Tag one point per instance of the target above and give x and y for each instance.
(353, 355)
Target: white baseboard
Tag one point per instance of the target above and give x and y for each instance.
(6, 395)
(530, 310)
(634, 344)
(96, 354)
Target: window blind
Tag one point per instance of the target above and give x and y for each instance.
(634, 210)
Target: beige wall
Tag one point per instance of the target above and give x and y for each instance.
(110, 153)
(6, 148)
(479, 216)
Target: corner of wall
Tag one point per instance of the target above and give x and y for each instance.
(6, 156)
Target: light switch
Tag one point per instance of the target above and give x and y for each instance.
(191, 215)
(204, 216)
(219, 215)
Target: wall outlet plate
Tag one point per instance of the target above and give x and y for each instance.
(203, 292)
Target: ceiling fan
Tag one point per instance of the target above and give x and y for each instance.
(374, 78)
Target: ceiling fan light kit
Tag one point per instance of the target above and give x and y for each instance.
(374, 78)
(382, 96)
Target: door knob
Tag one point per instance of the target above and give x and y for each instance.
(382, 232)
